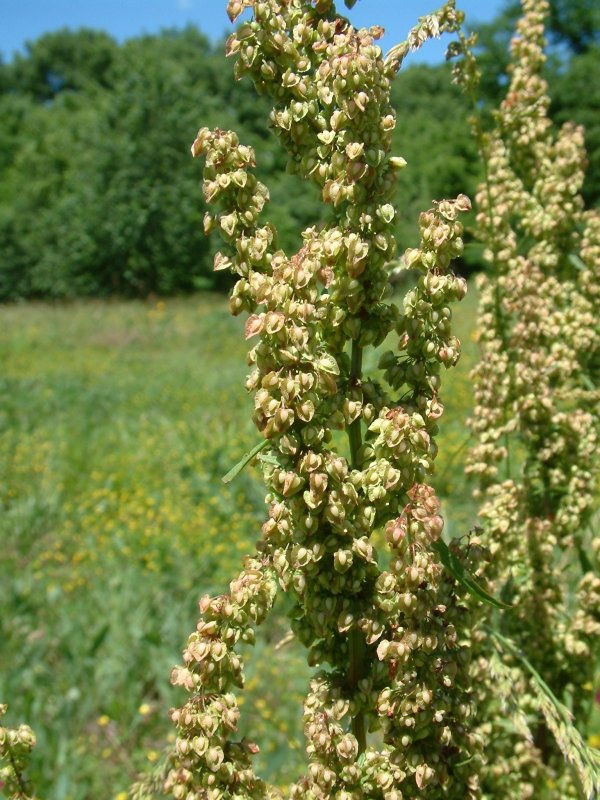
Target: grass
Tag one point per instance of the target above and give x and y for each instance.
(117, 422)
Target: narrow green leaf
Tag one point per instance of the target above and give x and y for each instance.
(464, 577)
(584, 560)
(577, 262)
(234, 471)
(589, 384)
(514, 650)
(463, 763)
(271, 458)
(99, 639)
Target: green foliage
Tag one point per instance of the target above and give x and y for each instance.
(97, 190)
(97, 193)
(493, 52)
(435, 139)
(456, 568)
(575, 23)
(86, 196)
(63, 61)
(113, 519)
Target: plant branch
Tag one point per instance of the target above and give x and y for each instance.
(16, 771)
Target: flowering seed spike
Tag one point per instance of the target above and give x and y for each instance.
(386, 644)
(536, 408)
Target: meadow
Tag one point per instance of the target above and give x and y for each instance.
(119, 418)
(117, 422)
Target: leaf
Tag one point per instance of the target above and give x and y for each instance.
(327, 363)
(99, 639)
(270, 458)
(503, 680)
(577, 262)
(350, 3)
(464, 577)
(234, 471)
(584, 760)
(584, 559)
(589, 384)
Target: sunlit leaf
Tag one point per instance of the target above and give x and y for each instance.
(464, 577)
(247, 457)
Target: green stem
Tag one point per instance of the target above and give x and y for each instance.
(16, 771)
(356, 643)
(354, 429)
(356, 646)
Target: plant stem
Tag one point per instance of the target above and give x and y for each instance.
(17, 773)
(354, 429)
(357, 651)
(356, 643)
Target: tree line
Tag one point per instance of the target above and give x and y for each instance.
(98, 192)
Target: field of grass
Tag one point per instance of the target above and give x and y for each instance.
(117, 422)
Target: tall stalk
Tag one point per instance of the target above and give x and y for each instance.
(356, 645)
(386, 644)
(536, 405)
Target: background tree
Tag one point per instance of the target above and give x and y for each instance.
(574, 24)
(435, 139)
(63, 61)
(97, 189)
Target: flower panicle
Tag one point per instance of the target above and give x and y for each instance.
(310, 317)
(16, 745)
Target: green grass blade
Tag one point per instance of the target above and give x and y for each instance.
(244, 460)
(464, 577)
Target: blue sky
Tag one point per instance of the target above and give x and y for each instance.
(22, 20)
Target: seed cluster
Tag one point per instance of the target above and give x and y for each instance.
(390, 644)
(536, 412)
(208, 760)
(16, 745)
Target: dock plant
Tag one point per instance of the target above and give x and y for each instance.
(16, 745)
(457, 670)
(536, 421)
(345, 451)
